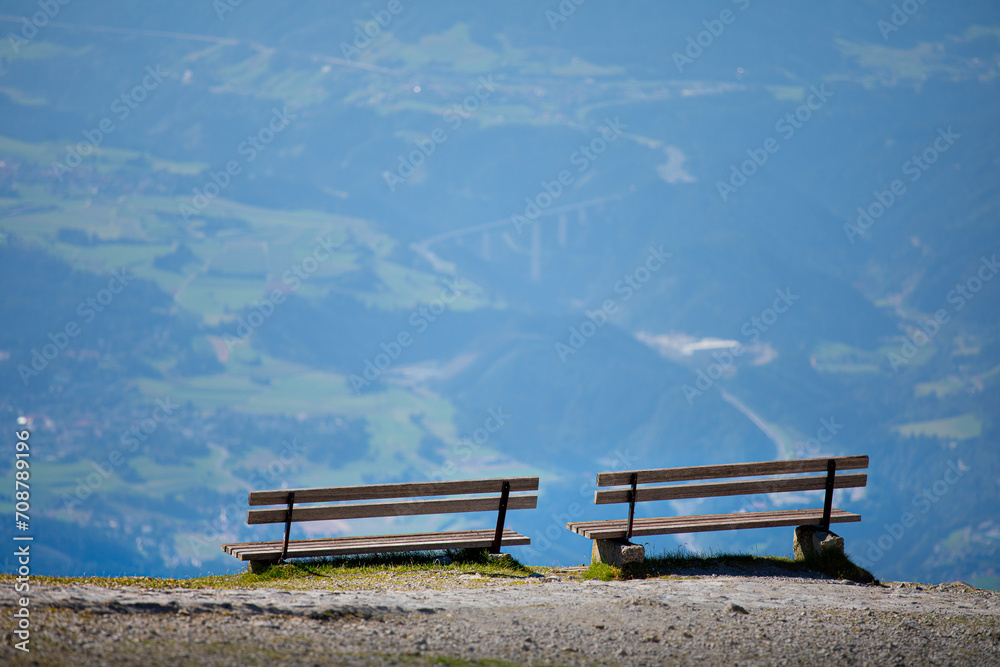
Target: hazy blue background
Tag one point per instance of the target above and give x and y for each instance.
(252, 297)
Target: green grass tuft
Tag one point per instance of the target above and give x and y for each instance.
(471, 561)
(683, 562)
(602, 572)
(325, 572)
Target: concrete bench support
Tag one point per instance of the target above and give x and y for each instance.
(815, 542)
(617, 552)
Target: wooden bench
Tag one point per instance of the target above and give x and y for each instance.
(300, 505)
(631, 491)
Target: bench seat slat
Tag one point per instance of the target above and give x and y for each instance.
(696, 518)
(753, 469)
(378, 491)
(347, 546)
(408, 508)
(362, 539)
(615, 528)
(735, 488)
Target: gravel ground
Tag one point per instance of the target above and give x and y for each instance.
(451, 618)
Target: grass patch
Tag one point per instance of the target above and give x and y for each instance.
(605, 572)
(465, 561)
(333, 573)
(683, 562)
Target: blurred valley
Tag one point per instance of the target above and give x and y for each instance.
(249, 245)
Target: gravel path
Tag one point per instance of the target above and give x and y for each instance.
(556, 619)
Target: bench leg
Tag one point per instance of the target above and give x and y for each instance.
(501, 516)
(617, 552)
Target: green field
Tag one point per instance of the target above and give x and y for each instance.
(962, 427)
(833, 357)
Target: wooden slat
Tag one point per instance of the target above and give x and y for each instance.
(715, 489)
(362, 539)
(409, 508)
(730, 470)
(615, 528)
(346, 546)
(404, 490)
(707, 519)
(365, 539)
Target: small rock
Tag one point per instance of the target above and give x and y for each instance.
(736, 609)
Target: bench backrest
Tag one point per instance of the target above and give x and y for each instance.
(671, 491)
(732, 488)
(347, 509)
(357, 510)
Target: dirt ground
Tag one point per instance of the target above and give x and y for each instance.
(457, 619)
